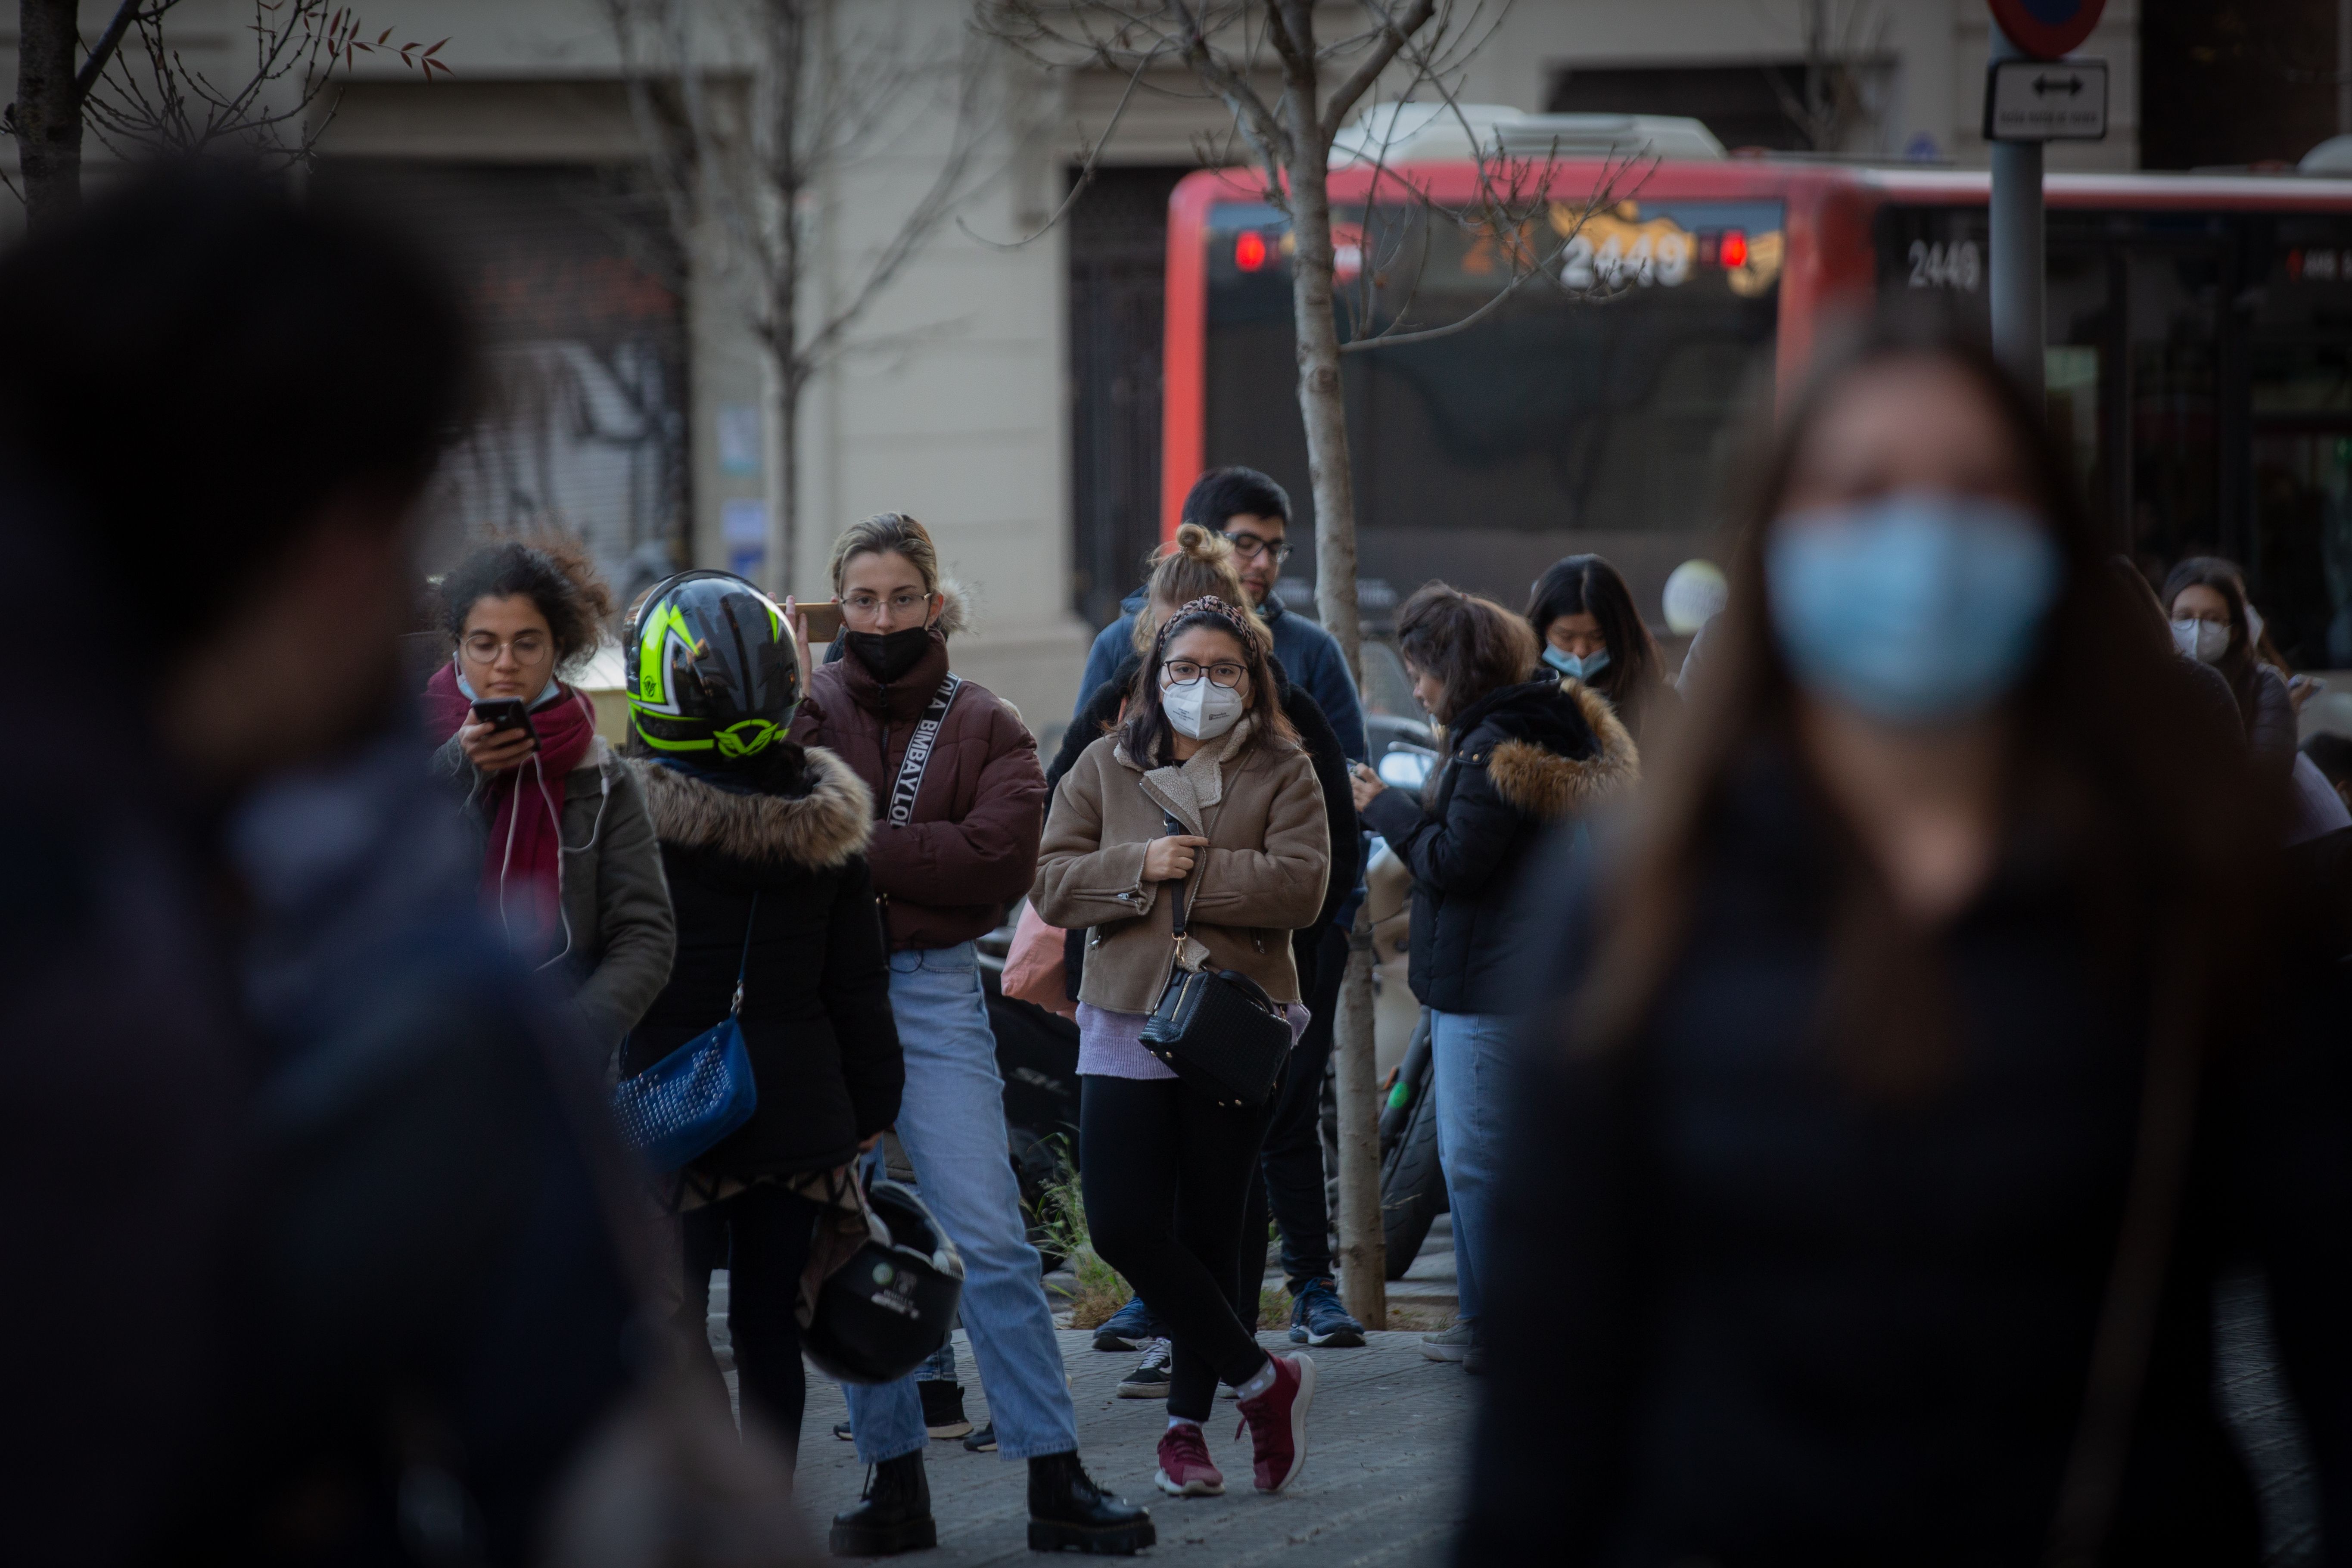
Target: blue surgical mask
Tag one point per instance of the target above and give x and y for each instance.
(1577, 668)
(1915, 608)
(547, 694)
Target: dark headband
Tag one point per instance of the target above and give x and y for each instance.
(1209, 605)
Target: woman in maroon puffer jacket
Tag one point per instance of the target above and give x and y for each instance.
(955, 842)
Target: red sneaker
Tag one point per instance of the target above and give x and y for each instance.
(1277, 1423)
(1185, 1467)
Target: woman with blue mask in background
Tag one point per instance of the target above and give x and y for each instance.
(1586, 628)
(1910, 1072)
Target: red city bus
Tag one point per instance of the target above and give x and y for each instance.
(2199, 363)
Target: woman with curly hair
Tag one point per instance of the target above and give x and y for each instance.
(570, 864)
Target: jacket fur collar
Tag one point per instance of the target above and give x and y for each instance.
(821, 829)
(1554, 751)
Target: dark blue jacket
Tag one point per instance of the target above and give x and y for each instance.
(1307, 652)
(1784, 1321)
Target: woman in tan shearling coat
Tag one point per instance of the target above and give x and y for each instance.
(1167, 1168)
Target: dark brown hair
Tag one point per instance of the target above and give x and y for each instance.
(554, 571)
(2240, 660)
(1147, 732)
(1472, 645)
(2099, 720)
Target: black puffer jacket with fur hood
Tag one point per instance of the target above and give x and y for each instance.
(1518, 760)
(816, 999)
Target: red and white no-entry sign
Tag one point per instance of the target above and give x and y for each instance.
(2047, 29)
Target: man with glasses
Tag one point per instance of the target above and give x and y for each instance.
(1251, 511)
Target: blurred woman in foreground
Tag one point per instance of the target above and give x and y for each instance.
(1873, 1162)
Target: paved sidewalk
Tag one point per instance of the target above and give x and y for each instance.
(1385, 1442)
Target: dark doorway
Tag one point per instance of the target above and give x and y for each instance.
(2221, 86)
(1119, 273)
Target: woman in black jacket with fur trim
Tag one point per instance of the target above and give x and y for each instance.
(763, 842)
(1520, 755)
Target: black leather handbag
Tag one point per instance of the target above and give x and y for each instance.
(1219, 1032)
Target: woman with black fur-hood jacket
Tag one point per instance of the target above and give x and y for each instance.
(1520, 755)
(763, 842)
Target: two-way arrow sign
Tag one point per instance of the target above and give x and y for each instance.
(2036, 101)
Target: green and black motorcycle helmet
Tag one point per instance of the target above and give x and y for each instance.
(712, 675)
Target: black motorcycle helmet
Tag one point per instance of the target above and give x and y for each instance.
(887, 1310)
(712, 674)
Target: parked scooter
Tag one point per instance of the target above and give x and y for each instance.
(1413, 1183)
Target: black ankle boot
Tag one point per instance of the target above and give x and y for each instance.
(893, 1516)
(1067, 1513)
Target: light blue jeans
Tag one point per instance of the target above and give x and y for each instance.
(952, 1121)
(1467, 1049)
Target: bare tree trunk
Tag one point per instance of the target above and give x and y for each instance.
(787, 62)
(784, 526)
(49, 111)
(1364, 1270)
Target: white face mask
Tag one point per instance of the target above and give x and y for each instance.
(2204, 641)
(1204, 709)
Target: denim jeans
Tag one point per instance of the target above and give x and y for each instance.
(952, 1122)
(1467, 1049)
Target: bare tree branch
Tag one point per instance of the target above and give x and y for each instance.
(109, 41)
(1392, 39)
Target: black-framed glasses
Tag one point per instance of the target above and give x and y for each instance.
(1249, 547)
(1184, 673)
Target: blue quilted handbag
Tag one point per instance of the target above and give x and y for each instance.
(678, 1108)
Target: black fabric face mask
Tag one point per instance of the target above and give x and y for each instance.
(886, 656)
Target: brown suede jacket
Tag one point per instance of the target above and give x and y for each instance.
(1261, 877)
(949, 875)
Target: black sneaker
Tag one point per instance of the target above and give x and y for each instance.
(1068, 1512)
(943, 1414)
(892, 1515)
(982, 1441)
(1150, 1378)
(1317, 1319)
(1127, 1329)
(841, 1431)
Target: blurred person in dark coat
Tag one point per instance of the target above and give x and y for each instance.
(341, 1277)
(1875, 1156)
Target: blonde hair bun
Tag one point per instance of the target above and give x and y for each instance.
(1198, 544)
(1198, 564)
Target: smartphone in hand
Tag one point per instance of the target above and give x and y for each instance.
(504, 713)
(823, 619)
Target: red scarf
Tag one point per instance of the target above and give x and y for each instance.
(522, 875)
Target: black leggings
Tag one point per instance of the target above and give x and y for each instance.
(1167, 1172)
(760, 1237)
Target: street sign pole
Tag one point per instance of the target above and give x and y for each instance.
(2019, 310)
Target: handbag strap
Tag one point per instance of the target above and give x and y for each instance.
(919, 745)
(1176, 890)
(744, 968)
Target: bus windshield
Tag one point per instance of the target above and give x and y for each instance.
(1591, 410)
